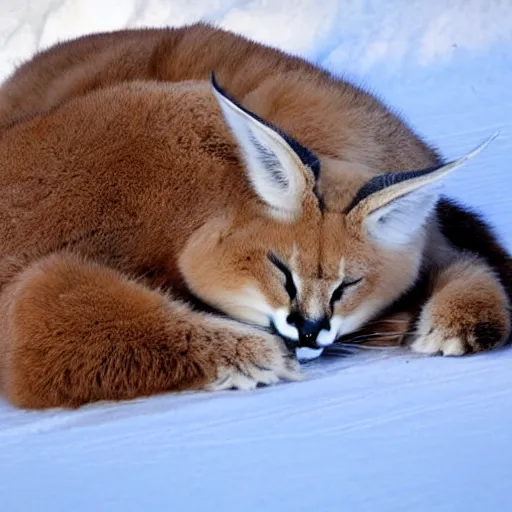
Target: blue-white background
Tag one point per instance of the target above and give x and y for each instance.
(379, 432)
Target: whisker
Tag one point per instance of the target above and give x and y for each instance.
(358, 348)
(339, 351)
(376, 335)
(390, 321)
(339, 348)
(370, 335)
(335, 350)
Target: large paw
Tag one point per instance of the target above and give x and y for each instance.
(257, 362)
(461, 328)
(446, 343)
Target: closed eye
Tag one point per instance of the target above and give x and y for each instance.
(289, 285)
(338, 292)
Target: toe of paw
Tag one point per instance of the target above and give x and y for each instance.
(440, 342)
(487, 336)
(457, 342)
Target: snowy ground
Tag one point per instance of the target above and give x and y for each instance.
(374, 432)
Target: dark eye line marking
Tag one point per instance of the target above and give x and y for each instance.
(338, 292)
(289, 285)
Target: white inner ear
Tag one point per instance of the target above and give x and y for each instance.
(274, 169)
(399, 221)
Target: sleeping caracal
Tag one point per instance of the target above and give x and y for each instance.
(134, 193)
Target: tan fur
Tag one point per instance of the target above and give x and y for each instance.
(74, 332)
(330, 117)
(111, 176)
(468, 311)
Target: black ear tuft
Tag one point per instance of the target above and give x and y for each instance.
(307, 157)
(383, 181)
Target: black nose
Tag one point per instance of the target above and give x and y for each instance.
(308, 329)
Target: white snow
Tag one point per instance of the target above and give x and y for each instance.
(377, 431)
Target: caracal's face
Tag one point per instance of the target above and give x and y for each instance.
(312, 280)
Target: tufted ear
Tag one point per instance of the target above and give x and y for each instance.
(279, 169)
(396, 205)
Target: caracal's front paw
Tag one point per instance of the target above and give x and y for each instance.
(256, 362)
(469, 323)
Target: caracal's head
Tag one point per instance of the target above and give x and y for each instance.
(312, 256)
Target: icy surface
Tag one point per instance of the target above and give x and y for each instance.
(374, 432)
